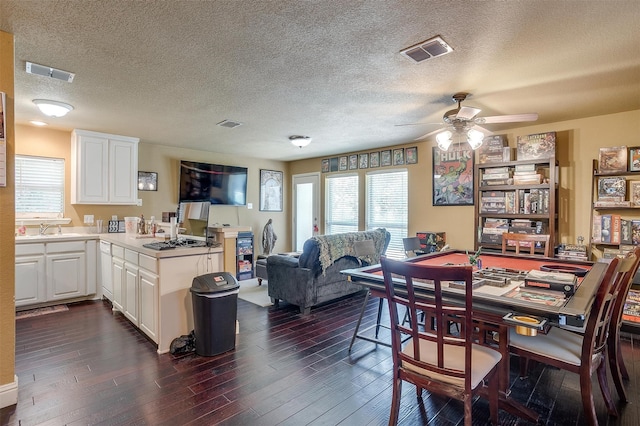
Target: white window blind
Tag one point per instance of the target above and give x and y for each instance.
(341, 206)
(387, 207)
(39, 186)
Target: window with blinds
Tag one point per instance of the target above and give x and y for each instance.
(39, 186)
(387, 206)
(341, 204)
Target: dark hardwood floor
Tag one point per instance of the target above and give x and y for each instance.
(89, 366)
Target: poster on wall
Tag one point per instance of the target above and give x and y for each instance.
(453, 176)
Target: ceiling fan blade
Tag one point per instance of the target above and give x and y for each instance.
(416, 124)
(486, 132)
(467, 113)
(513, 118)
(429, 134)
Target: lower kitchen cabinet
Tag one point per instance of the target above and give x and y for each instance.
(148, 291)
(55, 271)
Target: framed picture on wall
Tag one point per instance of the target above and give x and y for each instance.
(411, 155)
(325, 165)
(363, 162)
(353, 162)
(385, 158)
(374, 159)
(270, 191)
(398, 157)
(343, 163)
(453, 176)
(147, 181)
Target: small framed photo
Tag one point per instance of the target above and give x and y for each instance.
(353, 162)
(363, 161)
(325, 165)
(411, 155)
(343, 163)
(634, 159)
(634, 193)
(385, 158)
(398, 157)
(333, 164)
(374, 159)
(147, 181)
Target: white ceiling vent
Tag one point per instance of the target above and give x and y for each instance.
(46, 71)
(428, 49)
(229, 124)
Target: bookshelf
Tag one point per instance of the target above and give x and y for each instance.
(522, 198)
(616, 211)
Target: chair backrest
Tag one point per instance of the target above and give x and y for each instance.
(597, 327)
(411, 245)
(629, 267)
(437, 308)
(530, 241)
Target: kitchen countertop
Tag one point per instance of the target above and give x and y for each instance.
(123, 240)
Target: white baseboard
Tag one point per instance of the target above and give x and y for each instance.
(9, 393)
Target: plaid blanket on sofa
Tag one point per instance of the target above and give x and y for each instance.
(333, 247)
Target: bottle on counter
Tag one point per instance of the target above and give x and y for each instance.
(142, 225)
(22, 230)
(152, 226)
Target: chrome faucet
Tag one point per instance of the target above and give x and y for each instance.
(43, 228)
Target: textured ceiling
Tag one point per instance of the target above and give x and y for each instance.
(168, 71)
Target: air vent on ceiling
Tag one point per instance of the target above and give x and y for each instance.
(229, 124)
(428, 49)
(46, 71)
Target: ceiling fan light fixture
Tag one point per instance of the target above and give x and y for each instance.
(444, 140)
(300, 141)
(475, 138)
(52, 108)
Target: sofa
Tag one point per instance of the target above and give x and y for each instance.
(314, 277)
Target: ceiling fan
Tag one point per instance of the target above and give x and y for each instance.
(463, 120)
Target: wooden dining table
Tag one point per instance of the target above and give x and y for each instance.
(496, 306)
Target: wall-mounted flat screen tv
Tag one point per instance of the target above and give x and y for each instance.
(218, 184)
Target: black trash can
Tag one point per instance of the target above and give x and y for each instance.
(215, 309)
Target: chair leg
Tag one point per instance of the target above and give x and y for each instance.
(613, 355)
(494, 398)
(524, 367)
(364, 306)
(395, 399)
(586, 392)
(604, 388)
(380, 305)
(623, 368)
(468, 419)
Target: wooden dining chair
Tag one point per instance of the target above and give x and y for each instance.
(438, 360)
(616, 362)
(575, 352)
(411, 246)
(529, 241)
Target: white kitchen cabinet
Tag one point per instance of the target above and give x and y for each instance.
(117, 276)
(130, 304)
(104, 168)
(30, 274)
(106, 280)
(148, 303)
(55, 271)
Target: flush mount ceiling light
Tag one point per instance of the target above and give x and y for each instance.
(300, 141)
(52, 108)
(38, 123)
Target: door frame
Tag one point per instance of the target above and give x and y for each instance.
(313, 178)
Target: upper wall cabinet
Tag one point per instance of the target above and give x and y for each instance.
(104, 168)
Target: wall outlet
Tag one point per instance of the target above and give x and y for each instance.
(139, 202)
(88, 219)
(249, 206)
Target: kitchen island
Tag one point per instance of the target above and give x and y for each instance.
(151, 287)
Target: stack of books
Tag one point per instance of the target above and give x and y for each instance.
(493, 229)
(631, 310)
(492, 202)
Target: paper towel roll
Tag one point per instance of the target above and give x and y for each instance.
(174, 228)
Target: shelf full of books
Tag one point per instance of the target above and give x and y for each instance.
(516, 196)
